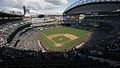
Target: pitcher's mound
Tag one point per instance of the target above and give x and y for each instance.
(58, 45)
(60, 39)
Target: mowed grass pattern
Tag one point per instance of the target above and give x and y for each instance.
(65, 30)
(49, 43)
(60, 39)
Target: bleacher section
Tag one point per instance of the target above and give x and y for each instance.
(9, 29)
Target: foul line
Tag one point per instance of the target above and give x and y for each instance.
(48, 38)
(75, 39)
(66, 41)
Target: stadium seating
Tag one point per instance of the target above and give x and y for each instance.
(8, 28)
(104, 45)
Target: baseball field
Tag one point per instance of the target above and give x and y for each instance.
(62, 38)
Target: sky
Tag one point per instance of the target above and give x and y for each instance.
(37, 6)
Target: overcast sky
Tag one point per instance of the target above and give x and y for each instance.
(37, 6)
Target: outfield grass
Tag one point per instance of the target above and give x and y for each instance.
(68, 43)
(66, 30)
